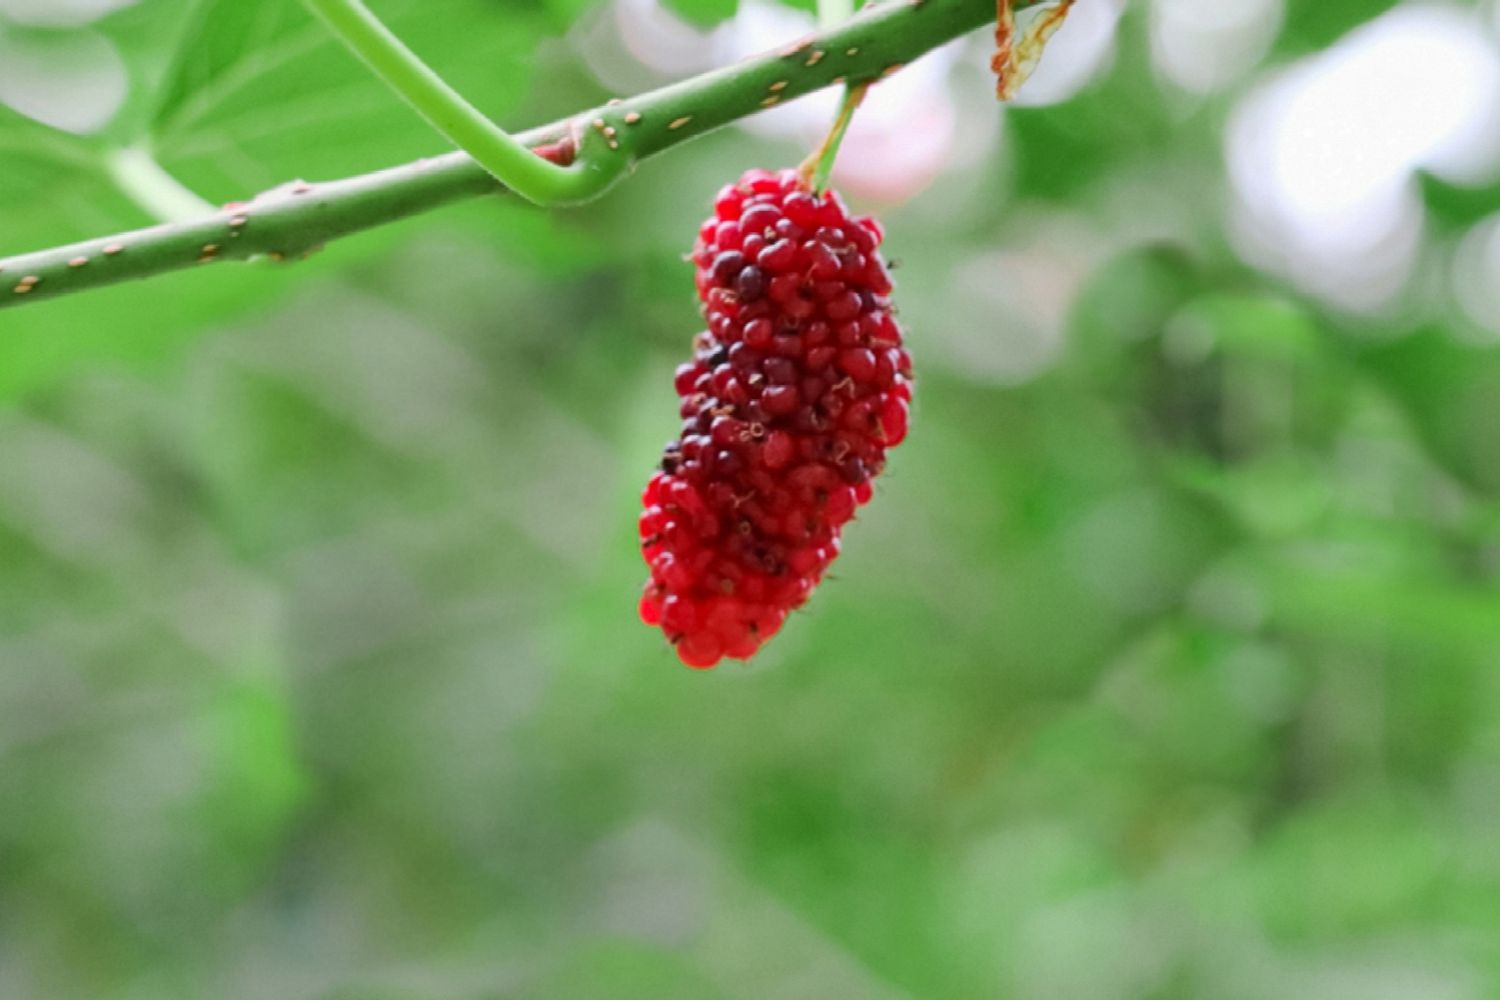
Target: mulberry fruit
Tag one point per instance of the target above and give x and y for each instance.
(795, 391)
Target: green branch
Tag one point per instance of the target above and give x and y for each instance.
(290, 221)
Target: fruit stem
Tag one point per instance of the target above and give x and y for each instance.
(508, 160)
(816, 169)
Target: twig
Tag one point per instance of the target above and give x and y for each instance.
(292, 220)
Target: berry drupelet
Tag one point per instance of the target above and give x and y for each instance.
(794, 393)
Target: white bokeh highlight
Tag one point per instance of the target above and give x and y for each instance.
(1475, 276)
(907, 132)
(73, 80)
(1322, 156)
(59, 13)
(910, 129)
(1203, 47)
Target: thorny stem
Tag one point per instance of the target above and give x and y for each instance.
(292, 220)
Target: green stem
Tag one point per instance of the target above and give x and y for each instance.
(817, 167)
(160, 195)
(290, 221)
(508, 160)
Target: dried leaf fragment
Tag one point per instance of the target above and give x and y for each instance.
(1016, 58)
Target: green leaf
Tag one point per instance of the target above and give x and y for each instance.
(149, 36)
(225, 41)
(254, 94)
(53, 191)
(260, 93)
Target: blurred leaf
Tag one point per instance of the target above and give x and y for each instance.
(34, 157)
(705, 12)
(1348, 866)
(1061, 149)
(53, 190)
(259, 783)
(628, 971)
(1451, 392)
(1262, 327)
(1312, 26)
(229, 44)
(59, 13)
(148, 34)
(1349, 595)
(1276, 497)
(1128, 300)
(1457, 205)
(261, 93)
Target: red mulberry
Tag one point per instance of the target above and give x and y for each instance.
(794, 393)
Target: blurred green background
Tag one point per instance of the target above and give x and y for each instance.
(1164, 664)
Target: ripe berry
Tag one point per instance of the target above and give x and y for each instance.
(795, 390)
